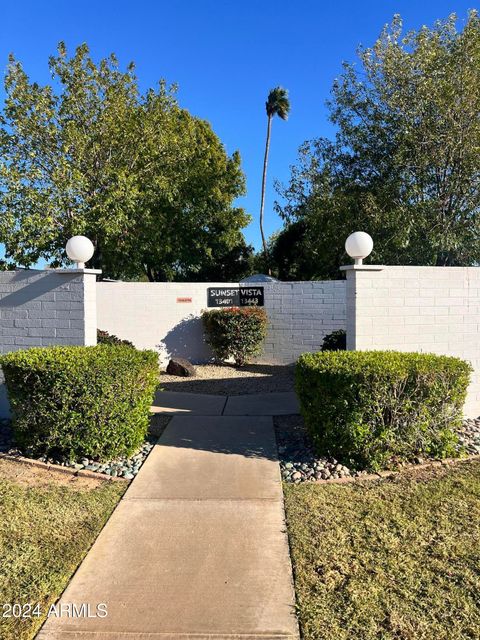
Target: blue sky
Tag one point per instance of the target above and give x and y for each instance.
(225, 56)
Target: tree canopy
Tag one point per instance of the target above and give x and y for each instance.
(405, 163)
(149, 183)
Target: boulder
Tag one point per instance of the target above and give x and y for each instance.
(180, 367)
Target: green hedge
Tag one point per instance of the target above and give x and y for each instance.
(103, 337)
(80, 401)
(376, 407)
(236, 332)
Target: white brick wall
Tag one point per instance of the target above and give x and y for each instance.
(148, 314)
(89, 310)
(430, 309)
(41, 308)
(426, 309)
(300, 315)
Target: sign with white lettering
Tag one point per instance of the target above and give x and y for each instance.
(251, 297)
(235, 297)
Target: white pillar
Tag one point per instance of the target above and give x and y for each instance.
(354, 279)
(41, 308)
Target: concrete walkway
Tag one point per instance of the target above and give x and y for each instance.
(197, 548)
(262, 404)
(253, 404)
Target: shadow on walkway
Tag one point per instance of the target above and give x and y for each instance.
(249, 437)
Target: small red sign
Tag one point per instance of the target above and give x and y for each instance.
(184, 299)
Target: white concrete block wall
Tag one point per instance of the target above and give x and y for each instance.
(43, 308)
(90, 309)
(148, 314)
(39, 308)
(425, 309)
(300, 315)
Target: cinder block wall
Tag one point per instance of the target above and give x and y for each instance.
(425, 309)
(300, 315)
(41, 308)
(148, 314)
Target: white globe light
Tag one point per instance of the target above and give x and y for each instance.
(80, 249)
(359, 245)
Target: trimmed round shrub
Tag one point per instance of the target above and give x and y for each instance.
(236, 332)
(335, 341)
(81, 401)
(103, 337)
(381, 407)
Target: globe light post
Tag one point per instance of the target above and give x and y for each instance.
(359, 245)
(80, 249)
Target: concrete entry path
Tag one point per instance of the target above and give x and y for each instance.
(197, 548)
(214, 458)
(199, 404)
(280, 403)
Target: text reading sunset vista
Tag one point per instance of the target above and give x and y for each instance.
(235, 297)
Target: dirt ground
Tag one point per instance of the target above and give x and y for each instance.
(30, 475)
(229, 380)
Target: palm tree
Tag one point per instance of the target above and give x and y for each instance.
(277, 104)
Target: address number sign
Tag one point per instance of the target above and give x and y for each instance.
(235, 297)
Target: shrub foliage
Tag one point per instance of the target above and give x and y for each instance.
(378, 407)
(103, 337)
(80, 401)
(335, 341)
(236, 333)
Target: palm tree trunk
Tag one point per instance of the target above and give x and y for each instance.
(264, 182)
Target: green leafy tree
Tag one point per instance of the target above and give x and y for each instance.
(288, 255)
(150, 184)
(405, 164)
(277, 104)
(226, 263)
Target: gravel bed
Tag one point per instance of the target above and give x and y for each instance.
(122, 467)
(299, 462)
(469, 436)
(227, 380)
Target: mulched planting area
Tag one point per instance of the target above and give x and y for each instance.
(300, 463)
(396, 558)
(124, 467)
(228, 380)
(298, 460)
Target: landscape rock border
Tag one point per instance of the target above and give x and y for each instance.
(123, 467)
(299, 462)
(58, 468)
(382, 475)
